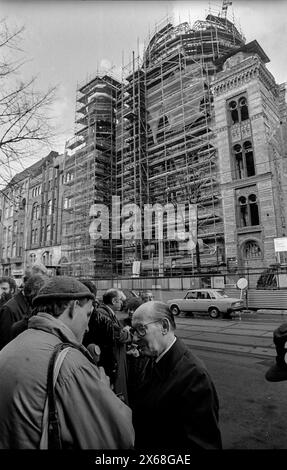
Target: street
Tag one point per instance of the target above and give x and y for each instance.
(237, 354)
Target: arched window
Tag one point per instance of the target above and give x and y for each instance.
(238, 110)
(244, 161)
(253, 209)
(46, 258)
(35, 211)
(233, 112)
(243, 109)
(48, 233)
(251, 250)
(32, 258)
(49, 207)
(248, 211)
(14, 250)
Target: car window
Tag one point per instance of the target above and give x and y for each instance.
(205, 295)
(191, 295)
(220, 293)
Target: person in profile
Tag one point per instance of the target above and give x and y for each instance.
(177, 405)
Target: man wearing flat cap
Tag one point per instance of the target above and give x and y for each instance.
(90, 415)
(278, 371)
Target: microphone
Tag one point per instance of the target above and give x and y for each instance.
(95, 352)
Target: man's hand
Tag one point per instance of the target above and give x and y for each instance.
(104, 377)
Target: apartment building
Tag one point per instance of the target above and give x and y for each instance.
(31, 220)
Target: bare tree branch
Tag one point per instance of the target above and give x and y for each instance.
(25, 125)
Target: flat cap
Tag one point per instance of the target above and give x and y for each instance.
(62, 288)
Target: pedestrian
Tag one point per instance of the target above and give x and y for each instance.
(177, 405)
(130, 306)
(7, 289)
(108, 333)
(19, 307)
(31, 289)
(147, 296)
(87, 413)
(91, 286)
(278, 371)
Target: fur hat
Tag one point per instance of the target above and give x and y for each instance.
(62, 288)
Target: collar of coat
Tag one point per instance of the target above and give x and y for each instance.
(46, 322)
(169, 361)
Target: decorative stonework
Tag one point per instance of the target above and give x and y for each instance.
(243, 73)
(240, 131)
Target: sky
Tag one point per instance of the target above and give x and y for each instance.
(66, 42)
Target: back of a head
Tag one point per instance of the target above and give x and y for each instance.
(133, 303)
(33, 285)
(35, 269)
(90, 285)
(109, 295)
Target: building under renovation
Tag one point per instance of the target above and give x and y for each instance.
(198, 121)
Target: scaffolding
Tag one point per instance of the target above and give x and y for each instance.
(89, 173)
(147, 139)
(179, 156)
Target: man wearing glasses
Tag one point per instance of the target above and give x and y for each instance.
(106, 331)
(176, 407)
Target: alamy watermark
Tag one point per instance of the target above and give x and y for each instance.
(151, 222)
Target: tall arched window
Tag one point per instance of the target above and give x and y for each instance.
(238, 109)
(248, 211)
(233, 112)
(48, 233)
(243, 109)
(49, 207)
(14, 250)
(35, 211)
(243, 159)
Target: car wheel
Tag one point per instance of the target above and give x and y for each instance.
(174, 310)
(213, 312)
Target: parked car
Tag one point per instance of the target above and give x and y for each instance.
(212, 301)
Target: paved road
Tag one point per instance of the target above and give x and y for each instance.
(252, 337)
(237, 354)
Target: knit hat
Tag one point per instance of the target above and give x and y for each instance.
(278, 371)
(62, 288)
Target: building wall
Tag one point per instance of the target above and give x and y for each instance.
(245, 75)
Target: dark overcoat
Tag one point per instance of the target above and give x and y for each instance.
(177, 406)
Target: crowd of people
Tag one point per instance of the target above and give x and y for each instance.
(79, 373)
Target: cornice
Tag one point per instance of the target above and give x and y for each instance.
(241, 74)
(247, 182)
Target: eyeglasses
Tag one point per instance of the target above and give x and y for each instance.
(141, 330)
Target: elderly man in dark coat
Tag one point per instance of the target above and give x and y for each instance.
(177, 406)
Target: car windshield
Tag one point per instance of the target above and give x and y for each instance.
(220, 293)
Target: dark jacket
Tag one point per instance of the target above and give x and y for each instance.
(106, 331)
(14, 310)
(177, 407)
